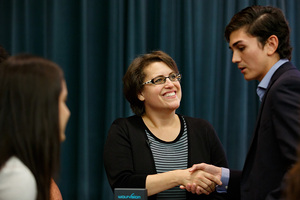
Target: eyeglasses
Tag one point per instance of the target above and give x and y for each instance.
(162, 79)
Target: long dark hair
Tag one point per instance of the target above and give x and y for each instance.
(29, 125)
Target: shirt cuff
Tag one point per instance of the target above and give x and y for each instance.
(224, 179)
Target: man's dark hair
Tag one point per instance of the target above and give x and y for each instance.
(262, 22)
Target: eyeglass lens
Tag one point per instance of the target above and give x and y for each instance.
(162, 79)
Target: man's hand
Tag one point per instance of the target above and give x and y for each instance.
(216, 171)
(209, 179)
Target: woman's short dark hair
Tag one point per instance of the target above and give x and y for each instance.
(262, 22)
(29, 120)
(134, 77)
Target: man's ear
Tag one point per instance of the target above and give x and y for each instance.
(272, 44)
(141, 97)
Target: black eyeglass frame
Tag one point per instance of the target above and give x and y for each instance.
(177, 77)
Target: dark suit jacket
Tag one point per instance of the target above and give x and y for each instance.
(275, 141)
(128, 159)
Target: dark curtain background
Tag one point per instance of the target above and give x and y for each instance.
(95, 40)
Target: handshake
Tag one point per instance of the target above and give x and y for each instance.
(202, 178)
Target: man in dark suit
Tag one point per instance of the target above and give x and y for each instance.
(259, 39)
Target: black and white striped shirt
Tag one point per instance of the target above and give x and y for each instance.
(170, 156)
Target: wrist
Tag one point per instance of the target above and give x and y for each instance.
(180, 176)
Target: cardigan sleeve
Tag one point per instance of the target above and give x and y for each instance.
(118, 158)
(204, 144)
(218, 157)
(205, 147)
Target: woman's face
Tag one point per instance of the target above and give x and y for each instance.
(162, 97)
(63, 110)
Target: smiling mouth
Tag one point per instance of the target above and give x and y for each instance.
(170, 94)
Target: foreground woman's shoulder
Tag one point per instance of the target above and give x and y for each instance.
(17, 181)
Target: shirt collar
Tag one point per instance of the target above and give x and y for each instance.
(262, 86)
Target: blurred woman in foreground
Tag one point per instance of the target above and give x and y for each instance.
(33, 117)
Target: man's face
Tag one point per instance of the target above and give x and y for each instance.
(248, 53)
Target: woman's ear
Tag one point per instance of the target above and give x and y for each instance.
(141, 97)
(272, 43)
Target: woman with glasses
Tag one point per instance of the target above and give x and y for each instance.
(155, 148)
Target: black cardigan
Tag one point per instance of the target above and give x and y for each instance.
(128, 158)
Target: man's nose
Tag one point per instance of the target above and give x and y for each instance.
(236, 58)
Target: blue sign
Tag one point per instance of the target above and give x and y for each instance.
(130, 193)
